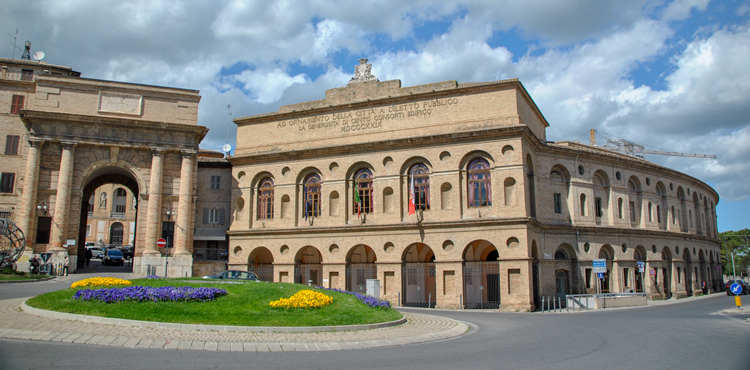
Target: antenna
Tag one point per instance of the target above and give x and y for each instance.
(15, 38)
(229, 119)
(38, 56)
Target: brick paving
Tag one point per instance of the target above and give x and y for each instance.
(418, 328)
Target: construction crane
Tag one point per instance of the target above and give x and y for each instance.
(637, 150)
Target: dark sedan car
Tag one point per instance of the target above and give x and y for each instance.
(113, 257)
(743, 284)
(234, 275)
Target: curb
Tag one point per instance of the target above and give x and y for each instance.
(27, 281)
(200, 327)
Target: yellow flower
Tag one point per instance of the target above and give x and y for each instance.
(303, 299)
(99, 281)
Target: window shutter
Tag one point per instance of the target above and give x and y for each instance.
(8, 144)
(218, 186)
(221, 216)
(16, 104)
(205, 216)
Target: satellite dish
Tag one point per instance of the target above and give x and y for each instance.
(226, 148)
(39, 55)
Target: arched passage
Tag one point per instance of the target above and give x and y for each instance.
(639, 255)
(360, 266)
(260, 262)
(481, 273)
(418, 276)
(565, 265)
(607, 253)
(666, 257)
(688, 272)
(308, 268)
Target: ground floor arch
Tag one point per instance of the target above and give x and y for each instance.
(360, 266)
(418, 276)
(481, 275)
(260, 261)
(308, 266)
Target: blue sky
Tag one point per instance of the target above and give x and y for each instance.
(668, 74)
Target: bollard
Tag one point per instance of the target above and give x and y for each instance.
(738, 302)
(429, 300)
(399, 299)
(461, 301)
(542, 303)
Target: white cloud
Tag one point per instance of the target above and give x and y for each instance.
(266, 86)
(680, 9)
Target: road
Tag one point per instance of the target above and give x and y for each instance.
(684, 334)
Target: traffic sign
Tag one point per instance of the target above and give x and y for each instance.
(161, 243)
(600, 275)
(652, 272)
(736, 288)
(641, 266)
(600, 265)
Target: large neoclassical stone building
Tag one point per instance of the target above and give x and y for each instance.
(501, 217)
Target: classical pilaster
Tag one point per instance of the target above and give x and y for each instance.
(62, 201)
(182, 227)
(30, 184)
(153, 218)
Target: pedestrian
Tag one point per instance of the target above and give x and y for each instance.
(87, 256)
(65, 265)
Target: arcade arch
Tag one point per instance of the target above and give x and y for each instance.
(418, 276)
(260, 261)
(481, 275)
(360, 266)
(308, 268)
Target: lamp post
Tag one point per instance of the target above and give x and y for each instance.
(169, 214)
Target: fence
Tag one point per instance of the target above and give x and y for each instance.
(581, 302)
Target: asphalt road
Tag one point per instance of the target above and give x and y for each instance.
(685, 334)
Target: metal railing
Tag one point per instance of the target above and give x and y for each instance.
(580, 302)
(17, 76)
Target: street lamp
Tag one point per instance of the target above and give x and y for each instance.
(42, 209)
(170, 213)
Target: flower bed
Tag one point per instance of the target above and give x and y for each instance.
(303, 299)
(99, 281)
(143, 294)
(366, 299)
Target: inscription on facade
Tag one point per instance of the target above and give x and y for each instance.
(370, 118)
(120, 103)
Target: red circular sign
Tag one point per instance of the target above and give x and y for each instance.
(652, 272)
(161, 243)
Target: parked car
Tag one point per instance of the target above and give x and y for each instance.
(90, 245)
(745, 287)
(96, 252)
(113, 257)
(127, 252)
(234, 275)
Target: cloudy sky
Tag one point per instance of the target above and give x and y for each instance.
(672, 75)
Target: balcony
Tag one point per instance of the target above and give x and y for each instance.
(17, 76)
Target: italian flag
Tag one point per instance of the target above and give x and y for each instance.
(412, 206)
(357, 198)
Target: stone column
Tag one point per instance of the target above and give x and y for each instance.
(62, 201)
(31, 177)
(183, 207)
(153, 215)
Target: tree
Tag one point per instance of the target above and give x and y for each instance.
(737, 242)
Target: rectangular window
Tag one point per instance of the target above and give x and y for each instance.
(27, 74)
(88, 230)
(11, 144)
(658, 214)
(17, 103)
(679, 275)
(619, 208)
(167, 232)
(215, 182)
(632, 211)
(213, 216)
(626, 277)
(43, 228)
(6, 182)
(650, 214)
(598, 206)
(588, 278)
(558, 202)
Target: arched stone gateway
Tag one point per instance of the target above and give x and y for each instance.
(360, 266)
(308, 266)
(481, 275)
(86, 133)
(418, 276)
(260, 261)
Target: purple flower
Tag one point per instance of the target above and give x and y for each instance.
(366, 299)
(142, 294)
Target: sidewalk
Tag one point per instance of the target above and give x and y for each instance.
(419, 328)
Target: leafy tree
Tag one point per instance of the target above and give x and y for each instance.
(737, 242)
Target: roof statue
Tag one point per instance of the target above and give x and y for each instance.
(362, 72)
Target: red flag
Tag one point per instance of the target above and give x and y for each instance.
(412, 206)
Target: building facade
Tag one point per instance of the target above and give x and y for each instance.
(451, 196)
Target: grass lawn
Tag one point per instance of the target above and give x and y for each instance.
(10, 274)
(246, 304)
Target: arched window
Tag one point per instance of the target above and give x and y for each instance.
(312, 196)
(119, 200)
(115, 233)
(420, 180)
(362, 196)
(265, 199)
(479, 183)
